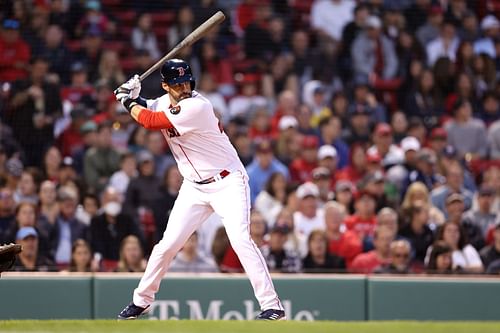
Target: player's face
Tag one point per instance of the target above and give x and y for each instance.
(178, 92)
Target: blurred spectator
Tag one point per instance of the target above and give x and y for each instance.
(464, 258)
(211, 90)
(14, 169)
(280, 77)
(318, 259)
(128, 170)
(155, 145)
(143, 37)
(191, 260)
(109, 68)
(110, 227)
(81, 257)
(88, 209)
(182, 26)
(454, 184)
(384, 147)
(25, 216)
(7, 208)
(27, 187)
(94, 18)
(70, 139)
(260, 125)
(494, 140)
(490, 107)
(91, 50)
(417, 13)
(88, 132)
(271, 200)
(425, 171)
(67, 227)
(101, 161)
(262, 167)
(248, 96)
(341, 242)
(378, 257)
(258, 229)
(257, 33)
(131, 256)
(467, 134)
(301, 167)
(224, 254)
(357, 166)
(58, 55)
(437, 140)
(422, 101)
(322, 178)
(373, 53)
(48, 207)
(344, 194)
(29, 259)
(491, 30)
(449, 156)
(14, 53)
(445, 45)
(329, 18)
(430, 30)
(400, 259)
(491, 253)
(482, 216)
(440, 259)
(363, 221)
(330, 134)
(455, 210)
(278, 257)
(364, 101)
(34, 107)
(309, 215)
(418, 232)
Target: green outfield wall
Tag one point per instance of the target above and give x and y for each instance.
(210, 297)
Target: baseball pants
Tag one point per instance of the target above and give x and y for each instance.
(229, 198)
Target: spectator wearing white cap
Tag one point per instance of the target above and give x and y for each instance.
(288, 134)
(330, 129)
(491, 30)
(410, 146)
(309, 216)
(373, 53)
(328, 158)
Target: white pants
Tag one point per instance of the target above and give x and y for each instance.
(229, 198)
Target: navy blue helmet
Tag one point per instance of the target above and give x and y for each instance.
(176, 71)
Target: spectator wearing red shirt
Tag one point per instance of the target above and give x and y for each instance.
(14, 53)
(379, 257)
(363, 220)
(302, 167)
(341, 242)
(79, 90)
(357, 166)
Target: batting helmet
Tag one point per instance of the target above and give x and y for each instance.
(176, 71)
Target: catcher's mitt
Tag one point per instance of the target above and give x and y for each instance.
(8, 255)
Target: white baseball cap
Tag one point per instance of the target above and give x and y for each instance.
(489, 22)
(410, 143)
(327, 151)
(373, 22)
(307, 189)
(287, 122)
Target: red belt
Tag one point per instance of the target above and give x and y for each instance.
(220, 176)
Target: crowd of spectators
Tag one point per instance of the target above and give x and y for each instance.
(370, 131)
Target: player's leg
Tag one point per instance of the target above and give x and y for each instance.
(232, 203)
(188, 213)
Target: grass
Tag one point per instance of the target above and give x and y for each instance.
(190, 326)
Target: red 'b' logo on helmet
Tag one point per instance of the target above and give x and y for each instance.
(181, 71)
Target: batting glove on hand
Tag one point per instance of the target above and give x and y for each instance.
(128, 92)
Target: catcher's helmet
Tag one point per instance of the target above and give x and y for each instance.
(176, 71)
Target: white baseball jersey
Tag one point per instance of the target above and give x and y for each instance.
(200, 147)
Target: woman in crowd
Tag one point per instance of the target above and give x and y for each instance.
(131, 255)
(81, 257)
(440, 259)
(465, 257)
(418, 192)
(271, 200)
(318, 260)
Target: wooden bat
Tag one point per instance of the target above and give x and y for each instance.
(199, 32)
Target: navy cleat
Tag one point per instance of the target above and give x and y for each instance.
(132, 311)
(271, 314)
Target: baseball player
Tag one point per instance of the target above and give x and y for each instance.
(214, 181)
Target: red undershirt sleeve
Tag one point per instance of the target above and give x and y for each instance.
(153, 120)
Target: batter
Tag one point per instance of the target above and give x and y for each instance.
(214, 181)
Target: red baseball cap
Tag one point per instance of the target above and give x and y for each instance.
(310, 141)
(383, 129)
(438, 132)
(373, 158)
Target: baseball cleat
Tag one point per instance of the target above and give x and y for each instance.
(132, 311)
(271, 314)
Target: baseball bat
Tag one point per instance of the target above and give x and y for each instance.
(196, 34)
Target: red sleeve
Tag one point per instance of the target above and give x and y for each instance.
(153, 120)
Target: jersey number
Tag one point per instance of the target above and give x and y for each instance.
(171, 132)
